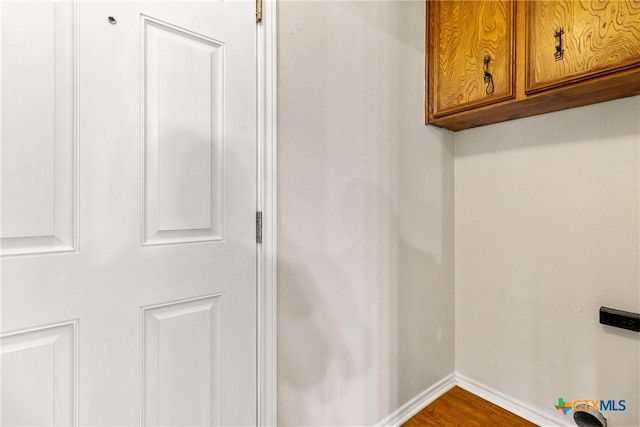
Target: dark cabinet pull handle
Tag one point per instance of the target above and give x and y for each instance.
(559, 49)
(488, 78)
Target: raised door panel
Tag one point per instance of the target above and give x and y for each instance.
(39, 376)
(469, 39)
(38, 168)
(182, 354)
(183, 134)
(572, 40)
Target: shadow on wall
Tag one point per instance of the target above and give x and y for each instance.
(415, 212)
(367, 316)
(423, 308)
(315, 356)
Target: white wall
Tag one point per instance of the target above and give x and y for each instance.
(365, 215)
(547, 231)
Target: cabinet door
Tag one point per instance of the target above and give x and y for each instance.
(466, 39)
(572, 40)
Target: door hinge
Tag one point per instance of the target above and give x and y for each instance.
(258, 10)
(258, 227)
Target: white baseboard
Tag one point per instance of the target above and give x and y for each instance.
(529, 413)
(418, 403)
(422, 400)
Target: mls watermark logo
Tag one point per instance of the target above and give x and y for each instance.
(602, 405)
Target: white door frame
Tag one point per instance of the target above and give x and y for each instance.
(267, 204)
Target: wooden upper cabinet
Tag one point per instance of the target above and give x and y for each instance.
(543, 56)
(572, 40)
(467, 40)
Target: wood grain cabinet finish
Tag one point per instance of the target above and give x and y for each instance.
(572, 40)
(545, 55)
(465, 33)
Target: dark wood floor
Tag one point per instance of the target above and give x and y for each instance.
(459, 408)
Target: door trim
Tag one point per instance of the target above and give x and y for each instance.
(267, 204)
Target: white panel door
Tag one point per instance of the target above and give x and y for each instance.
(127, 227)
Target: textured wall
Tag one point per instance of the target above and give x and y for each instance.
(365, 215)
(547, 230)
